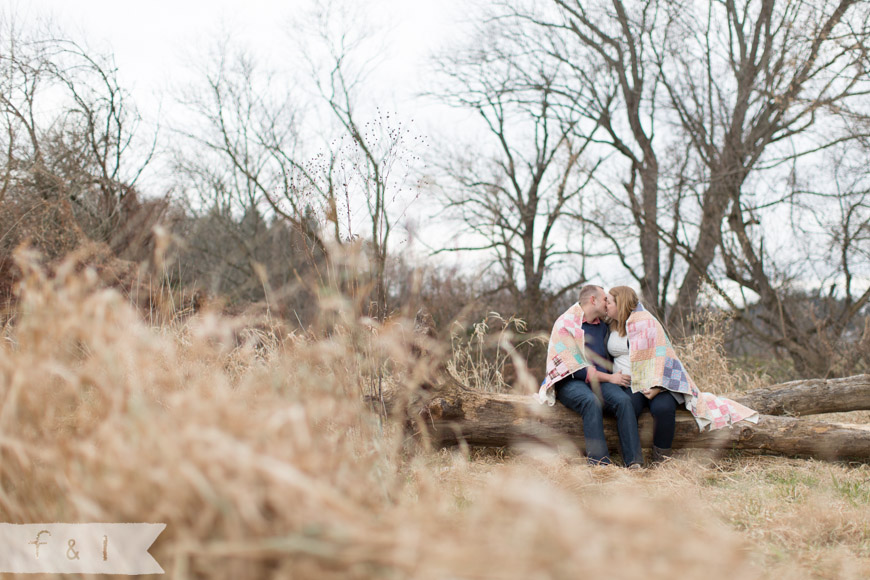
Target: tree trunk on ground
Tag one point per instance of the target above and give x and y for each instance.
(452, 414)
(811, 397)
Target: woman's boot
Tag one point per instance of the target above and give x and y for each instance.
(660, 455)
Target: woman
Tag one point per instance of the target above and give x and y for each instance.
(621, 301)
(641, 349)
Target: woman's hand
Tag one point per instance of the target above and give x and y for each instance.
(651, 393)
(620, 379)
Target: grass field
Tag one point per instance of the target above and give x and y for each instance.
(253, 444)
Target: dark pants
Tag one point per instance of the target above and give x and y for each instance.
(578, 396)
(663, 408)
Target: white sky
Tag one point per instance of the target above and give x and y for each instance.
(154, 40)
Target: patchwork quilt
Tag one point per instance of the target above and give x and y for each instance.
(566, 352)
(654, 363)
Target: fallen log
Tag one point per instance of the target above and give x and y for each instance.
(454, 414)
(811, 397)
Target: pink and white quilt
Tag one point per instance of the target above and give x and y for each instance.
(566, 352)
(654, 363)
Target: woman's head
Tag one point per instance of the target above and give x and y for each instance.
(621, 302)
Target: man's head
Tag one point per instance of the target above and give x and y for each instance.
(592, 301)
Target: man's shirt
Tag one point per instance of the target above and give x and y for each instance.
(596, 344)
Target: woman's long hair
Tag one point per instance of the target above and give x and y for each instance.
(626, 302)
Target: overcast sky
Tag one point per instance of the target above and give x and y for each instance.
(154, 41)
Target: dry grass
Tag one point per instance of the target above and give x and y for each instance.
(703, 353)
(806, 519)
(481, 358)
(775, 517)
(256, 449)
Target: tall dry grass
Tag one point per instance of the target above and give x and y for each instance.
(257, 448)
(703, 353)
(483, 357)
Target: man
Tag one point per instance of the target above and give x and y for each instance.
(578, 375)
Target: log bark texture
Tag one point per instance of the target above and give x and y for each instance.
(453, 414)
(811, 397)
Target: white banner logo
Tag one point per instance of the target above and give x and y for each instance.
(79, 548)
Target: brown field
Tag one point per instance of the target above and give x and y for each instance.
(256, 449)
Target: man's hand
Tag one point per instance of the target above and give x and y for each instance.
(651, 393)
(620, 379)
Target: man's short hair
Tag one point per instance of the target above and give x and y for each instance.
(586, 292)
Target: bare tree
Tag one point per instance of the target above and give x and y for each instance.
(71, 137)
(607, 48)
(761, 91)
(737, 98)
(248, 153)
(375, 162)
(756, 85)
(516, 192)
(240, 154)
(812, 292)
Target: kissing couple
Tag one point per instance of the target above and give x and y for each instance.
(607, 354)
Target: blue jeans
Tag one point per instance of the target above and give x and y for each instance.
(663, 408)
(578, 396)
